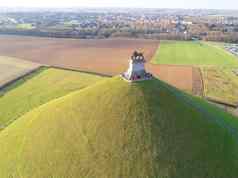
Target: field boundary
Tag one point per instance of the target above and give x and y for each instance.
(197, 82)
(202, 82)
(20, 77)
(221, 102)
(83, 71)
(3, 87)
(220, 48)
(152, 60)
(217, 76)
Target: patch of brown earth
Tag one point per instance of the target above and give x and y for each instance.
(178, 76)
(107, 56)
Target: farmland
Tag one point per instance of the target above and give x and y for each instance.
(12, 68)
(111, 56)
(193, 53)
(38, 88)
(24, 26)
(45, 112)
(186, 78)
(103, 56)
(220, 84)
(217, 83)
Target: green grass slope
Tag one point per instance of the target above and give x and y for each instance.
(39, 88)
(115, 129)
(193, 53)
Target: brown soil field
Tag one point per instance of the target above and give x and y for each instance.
(13, 68)
(187, 78)
(106, 56)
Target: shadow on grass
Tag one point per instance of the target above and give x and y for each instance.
(210, 112)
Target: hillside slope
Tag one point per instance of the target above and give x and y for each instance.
(115, 129)
(39, 88)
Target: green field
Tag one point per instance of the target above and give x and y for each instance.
(220, 84)
(25, 26)
(118, 129)
(193, 53)
(39, 88)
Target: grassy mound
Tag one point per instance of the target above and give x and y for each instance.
(115, 129)
(39, 88)
(193, 53)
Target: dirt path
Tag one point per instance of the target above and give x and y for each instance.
(197, 82)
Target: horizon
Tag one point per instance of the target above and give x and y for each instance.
(112, 7)
(147, 4)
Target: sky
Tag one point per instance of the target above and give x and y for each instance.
(186, 4)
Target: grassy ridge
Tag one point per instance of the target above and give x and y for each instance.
(39, 88)
(193, 53)
(116, 129)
